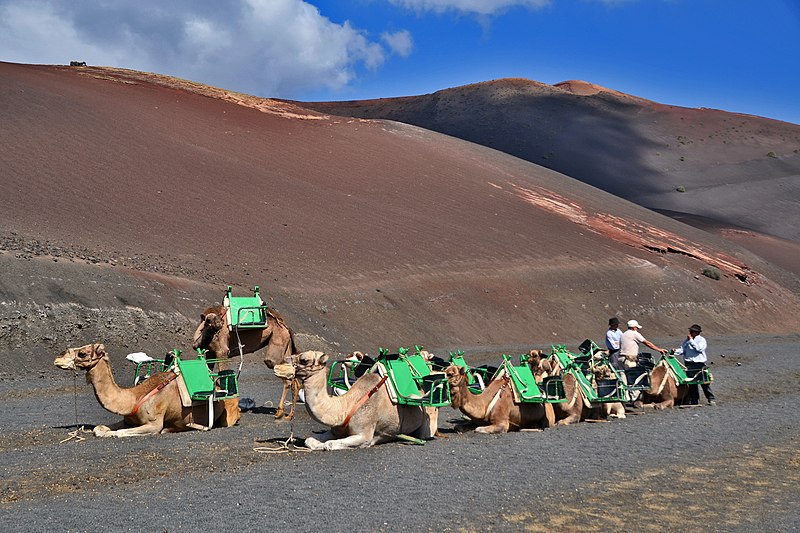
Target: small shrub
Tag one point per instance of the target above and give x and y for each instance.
(772, 154)
(680, 188)
(711, 272)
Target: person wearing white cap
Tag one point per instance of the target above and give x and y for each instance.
(629, 344)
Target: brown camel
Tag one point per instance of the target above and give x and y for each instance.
(576, 408)
(144, 413)
(495, 405)
(363, 416)
(664, 390)
(213, 334)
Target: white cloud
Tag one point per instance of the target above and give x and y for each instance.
(265, 47)
(478, 7)
(399, 42)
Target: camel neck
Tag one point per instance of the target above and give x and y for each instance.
(324, 408)
(473, 405)
(110, 395)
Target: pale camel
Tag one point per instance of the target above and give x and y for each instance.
(664, 390)
(213, 334)
(606, 409)
(494, 406)
(363, 416)
(145, 412)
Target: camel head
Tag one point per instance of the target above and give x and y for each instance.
(457, 378)
(212, 333)
(534, 356)
(602, 372)
(455, 374)
(308, 363)
(83, 358)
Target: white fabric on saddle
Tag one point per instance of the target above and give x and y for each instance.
(138, 357)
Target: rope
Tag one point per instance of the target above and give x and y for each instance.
(76, 435)
(75, 388)
(286, 446)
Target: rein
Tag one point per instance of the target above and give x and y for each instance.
(153, 393)
(362, 401)
(506, 381)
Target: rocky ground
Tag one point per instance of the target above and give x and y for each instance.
(732, 467)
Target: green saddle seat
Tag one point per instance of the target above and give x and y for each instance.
(412, 381)
(690, 374)
(523, 382)
(245, 312)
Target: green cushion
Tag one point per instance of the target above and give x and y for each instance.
(197, 377)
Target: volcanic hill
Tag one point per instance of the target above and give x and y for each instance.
(130, 200)
(699, 165)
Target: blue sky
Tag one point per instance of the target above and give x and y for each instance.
(737, 55)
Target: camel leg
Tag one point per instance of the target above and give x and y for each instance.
(430, 426)
(501, 426)
(353, 441)
(230, 413)
(615, 410)
(120, 429)
(295, 384)
(318, 443)
(326, 441)
(549, 419)
(279, 412)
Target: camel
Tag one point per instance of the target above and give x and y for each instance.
(213, 334)
(540, 365)
(495, 405)
(664, 391)
(363, 416)
(577, 408)
(145, 412)
(607, 409)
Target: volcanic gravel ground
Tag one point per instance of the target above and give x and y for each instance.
(731, 467)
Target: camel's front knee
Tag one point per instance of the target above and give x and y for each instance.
(102, 431)
(314, 444)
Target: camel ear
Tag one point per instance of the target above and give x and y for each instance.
(100, 349)
(202, 317)
(462, 371)
(323, 360)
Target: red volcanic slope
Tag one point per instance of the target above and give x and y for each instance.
(366, 233)
(737, 169)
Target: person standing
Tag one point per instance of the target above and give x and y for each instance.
(629, 344)
(613, 337)
(693, 350)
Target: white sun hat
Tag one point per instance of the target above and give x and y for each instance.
(634, 324)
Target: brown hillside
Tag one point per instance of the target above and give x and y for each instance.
(363, 233)
(737, 169)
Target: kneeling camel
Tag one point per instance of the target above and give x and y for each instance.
(151, 407)
(363, 416)
(494, 406)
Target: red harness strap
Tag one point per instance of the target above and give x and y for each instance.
(362, 401)
(153, 392)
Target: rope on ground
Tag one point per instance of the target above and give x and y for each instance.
(286, 446)
(76, 435)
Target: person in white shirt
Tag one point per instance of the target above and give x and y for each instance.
(613, 336)
(629, 344)
(693, 350)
